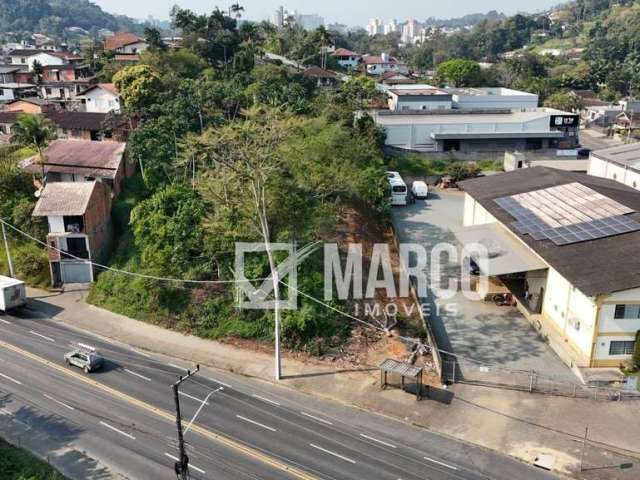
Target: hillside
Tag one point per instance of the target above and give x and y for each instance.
(52, 17)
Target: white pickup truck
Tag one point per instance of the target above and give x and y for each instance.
(13, 294)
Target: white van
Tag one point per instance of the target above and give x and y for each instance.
(398, 191)
(420, 189)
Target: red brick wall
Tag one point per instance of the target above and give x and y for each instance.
(97, 223)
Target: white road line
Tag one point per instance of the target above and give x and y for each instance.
(58, 402)
(42, 336)
(441, 463)
(137, 374)
(346, 459)
(141, 353)
(178, 367)
(256, 423)
(218, 381)
(199, 400)
(272, 402)
(10, 379)
(173, 457)
(321, 420)
(5, 321)
(119, 431)
(378, 441)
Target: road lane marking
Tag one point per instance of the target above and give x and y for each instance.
(169, 417)
(58, 402)
(5, 321)
(256, 423)
(321, 420)
(378, 441)
(11, 379)
(141, 353)
(173, 457)
(199, 400)
(218, 381)
(346, 459)
(137, 374)
(116, 430)
(441, 463)
(42, 336)
(179, 368)
(272, 402)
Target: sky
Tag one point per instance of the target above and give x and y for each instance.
(350, 12)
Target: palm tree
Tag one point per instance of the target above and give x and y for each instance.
(33, 131)
(324, 38)
(236, 8)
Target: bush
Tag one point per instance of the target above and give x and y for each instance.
(30, 263)
(636, 351)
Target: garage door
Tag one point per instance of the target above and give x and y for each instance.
(76, 272)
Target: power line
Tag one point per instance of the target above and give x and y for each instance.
(126, 272)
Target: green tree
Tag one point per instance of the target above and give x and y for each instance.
(564, 101)
(138, 86)
(460, 72)
(153, 37)
(33, 131)
(636, 351)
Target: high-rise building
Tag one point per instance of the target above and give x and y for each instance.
(306, 21)
(391, 27)
(410, 31)
(375, 27)
(279, 17)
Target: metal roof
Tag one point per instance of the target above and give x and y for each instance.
(64, 198)
(400, 368)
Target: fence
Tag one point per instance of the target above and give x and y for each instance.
(456, 369)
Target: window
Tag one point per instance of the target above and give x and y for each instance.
(624, 347)
(626, 312)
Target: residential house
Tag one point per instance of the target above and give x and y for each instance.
(101, 98)
(377, 65)
(7, 119)
(13, 91)
(347, 59)
(43, 57)
(89, 125)
(621, 164)
(15, 74)
(565, 245)
(322, 77)
(390, 79)
(31, 105)
(82, 161)
(80, 230)
(124, 43)
(62, 84)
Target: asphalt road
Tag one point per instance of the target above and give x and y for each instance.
(117, 422)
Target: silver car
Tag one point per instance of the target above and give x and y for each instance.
(88, 360)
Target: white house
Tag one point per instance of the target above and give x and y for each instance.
(101, 98)
(347, 59)
(565, 245)
(621, 164)
(44, 58)
(377, 65)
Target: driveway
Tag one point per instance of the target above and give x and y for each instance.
(477, 330)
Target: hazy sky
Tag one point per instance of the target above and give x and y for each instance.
(351, 12)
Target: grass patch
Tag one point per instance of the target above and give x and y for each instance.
(417, 165)
(18, 464)
(30, 263)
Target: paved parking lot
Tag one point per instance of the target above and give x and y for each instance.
(477, 330)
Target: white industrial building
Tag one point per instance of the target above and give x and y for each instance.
(621, 164)
(566, 246)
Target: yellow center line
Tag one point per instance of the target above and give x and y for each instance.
(221, 439)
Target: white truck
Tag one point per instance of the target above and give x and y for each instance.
(13, 293)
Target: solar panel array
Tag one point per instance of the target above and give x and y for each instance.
(568, 214)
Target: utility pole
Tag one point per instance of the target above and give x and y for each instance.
(182, 465)
(6, 248)
(584, 446)
(276, 308)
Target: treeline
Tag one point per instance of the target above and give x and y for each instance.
(52, 17)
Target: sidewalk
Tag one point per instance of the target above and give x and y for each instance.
(514, 423)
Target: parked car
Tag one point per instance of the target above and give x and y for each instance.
(420, 189)
(84, 357)
(12, 294)
(394, 175)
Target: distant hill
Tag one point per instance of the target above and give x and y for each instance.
(52, 17)
(467, 20)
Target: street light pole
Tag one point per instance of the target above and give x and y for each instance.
(276, 290)
(182, 465)
(584, 446)
(6, 248)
